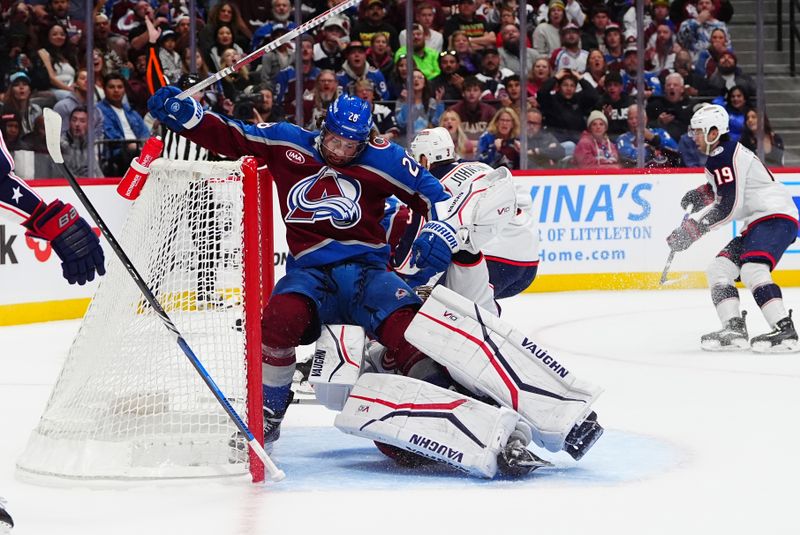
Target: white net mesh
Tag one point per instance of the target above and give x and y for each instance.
(128, 403)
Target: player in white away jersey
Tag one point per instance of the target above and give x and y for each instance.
(740, 188)
(502, 259)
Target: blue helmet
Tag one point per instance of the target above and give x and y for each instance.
(349, 117)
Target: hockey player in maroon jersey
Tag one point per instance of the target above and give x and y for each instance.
(332, 185)
(739, 188)
(331, 188)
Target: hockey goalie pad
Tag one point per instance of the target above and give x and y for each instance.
(487, 356)
(336, 363)
(422, 418)
(480, 209)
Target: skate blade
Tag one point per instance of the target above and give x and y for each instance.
(715, 346)
(539, 463)
(787, 346)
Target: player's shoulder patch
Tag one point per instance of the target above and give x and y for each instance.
(380, 142)
(716, 152)
(295, 156)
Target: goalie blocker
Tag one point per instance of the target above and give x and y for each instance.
(489, 357)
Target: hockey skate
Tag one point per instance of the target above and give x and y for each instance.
(6, 523)
(272, 422)
(515, 460)
(782, 339)
(272, 431)
(583, 436)
(732, 337)
(300, 385)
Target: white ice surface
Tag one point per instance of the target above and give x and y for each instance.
(696, 443)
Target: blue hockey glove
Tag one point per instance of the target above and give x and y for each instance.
(72, 239)
(177, 114)
(434, 247)
(685, 235)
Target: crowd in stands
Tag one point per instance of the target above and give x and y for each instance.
(579, 82)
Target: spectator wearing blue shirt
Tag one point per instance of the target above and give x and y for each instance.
(286, 79)
(355, 68)
(660, 148)
(735, 103)
(690, 153)
(120, 123)
(428, 106)
(499, 145)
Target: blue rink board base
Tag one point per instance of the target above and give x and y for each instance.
(322, 458)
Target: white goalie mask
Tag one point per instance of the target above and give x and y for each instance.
(435, 143)
(708, 117)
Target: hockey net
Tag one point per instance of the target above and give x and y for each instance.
(128, 404)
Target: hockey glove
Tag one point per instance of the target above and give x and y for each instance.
(72, 239)
(177, 114)
(434, 247)
(698, 198)
(685, 235)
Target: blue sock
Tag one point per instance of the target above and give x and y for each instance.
(276, 397)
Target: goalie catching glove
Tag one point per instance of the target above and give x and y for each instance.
(72, 239)
(177, 114)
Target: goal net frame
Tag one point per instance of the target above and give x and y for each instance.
(155, 432)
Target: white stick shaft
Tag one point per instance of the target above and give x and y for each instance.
(269, 47)
(275, 473)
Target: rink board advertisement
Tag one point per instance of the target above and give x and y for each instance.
(31, 286)
(608, 230)
(597, 231)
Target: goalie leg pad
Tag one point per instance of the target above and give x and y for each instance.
(422, 418)
(487, 356)
(336, 363)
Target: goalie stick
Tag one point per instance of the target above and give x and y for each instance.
(52, 122)
(269, 47)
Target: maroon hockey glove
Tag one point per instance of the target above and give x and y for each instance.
(698, 198)
(689, 232)
(72, 239)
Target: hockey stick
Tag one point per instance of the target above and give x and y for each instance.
(666, 267)
(52, 122)
(269, 47)
(671, 256)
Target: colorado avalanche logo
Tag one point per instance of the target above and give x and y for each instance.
(325, 195)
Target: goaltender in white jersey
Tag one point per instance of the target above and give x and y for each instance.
(740, 188)
(483, 391)
(502, 257)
